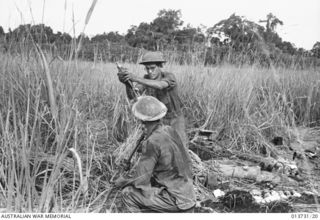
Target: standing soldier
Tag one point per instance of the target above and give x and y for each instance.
(163, 86)
(163, 178)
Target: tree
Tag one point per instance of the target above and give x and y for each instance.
(141, 36)
(287, 47)
(316, 50)
(99, 38)
(164, 27)
(271, 22)
(158, 34)
(1, 31)
(114, 37)
(240, 32)
(63, 38)
(189, 35)
(270, 35)
(167, 21)
(39, 33)
(42, 33)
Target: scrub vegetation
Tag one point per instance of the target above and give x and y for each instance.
(64, 123)
(58, 136)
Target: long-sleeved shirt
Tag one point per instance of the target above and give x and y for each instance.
(165, 159)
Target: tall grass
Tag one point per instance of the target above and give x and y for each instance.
(58, 136)
(39, 173)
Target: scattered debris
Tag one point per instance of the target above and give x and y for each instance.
(212, 182)
(230, 181)
(277, 141)
(218, 193)
(267, 196)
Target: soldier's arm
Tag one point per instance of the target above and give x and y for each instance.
(144, 168)
(140, 88)
(130, 89)
(147, 162)
(168, 81)
(156, 84)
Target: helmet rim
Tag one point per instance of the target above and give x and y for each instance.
(149, 116)
(152, 57)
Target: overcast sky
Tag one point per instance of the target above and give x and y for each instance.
(301, 18)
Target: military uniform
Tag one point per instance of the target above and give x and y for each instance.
(163, 179)
(169, 96)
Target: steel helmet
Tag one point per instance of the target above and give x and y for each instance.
(152, 57)
(148, 108)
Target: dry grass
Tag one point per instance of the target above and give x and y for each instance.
(49, 109)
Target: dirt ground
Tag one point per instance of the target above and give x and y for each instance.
(286, 180)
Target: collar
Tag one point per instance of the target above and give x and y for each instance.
(153, 130)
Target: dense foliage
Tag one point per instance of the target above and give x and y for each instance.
(225, 41)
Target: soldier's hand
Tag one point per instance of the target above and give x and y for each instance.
(131, 77)
(122, 75)
(122, 78)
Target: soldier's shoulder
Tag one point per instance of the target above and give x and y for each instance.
(158, 134)
(167, 128)
(167, 73)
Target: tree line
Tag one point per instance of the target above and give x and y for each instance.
(235, 39)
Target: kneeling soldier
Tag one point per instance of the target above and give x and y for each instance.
(163, 179)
